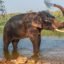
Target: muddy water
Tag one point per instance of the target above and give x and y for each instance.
(51, 47)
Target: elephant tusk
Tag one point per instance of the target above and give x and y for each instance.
(59, 30)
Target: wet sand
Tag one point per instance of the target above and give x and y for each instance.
(25, 60)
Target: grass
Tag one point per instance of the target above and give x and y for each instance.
(3, 20)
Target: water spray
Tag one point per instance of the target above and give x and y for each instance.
(48, 3)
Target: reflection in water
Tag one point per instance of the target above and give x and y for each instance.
(9, 56)
(15, 54)
(20, 58)
(51, 47)
(6, 55)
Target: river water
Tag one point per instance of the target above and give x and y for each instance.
(50, 47)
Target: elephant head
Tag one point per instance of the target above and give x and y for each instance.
(49, 22)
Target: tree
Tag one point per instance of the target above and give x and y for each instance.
(2, 8)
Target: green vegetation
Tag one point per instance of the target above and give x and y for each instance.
(51, 33)
(3, 20)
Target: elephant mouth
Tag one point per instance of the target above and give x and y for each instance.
(58, 30)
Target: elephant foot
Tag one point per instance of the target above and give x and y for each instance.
(35, 56)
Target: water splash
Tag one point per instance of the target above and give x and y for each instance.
(48, 3)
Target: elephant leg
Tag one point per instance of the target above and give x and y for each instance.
(36, 39)
(15, 43)
(6, 42)
(15, 52)
(39, 37)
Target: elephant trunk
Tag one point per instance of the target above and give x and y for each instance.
(57, 26)
(60, 7)
(57, 29)
(61, 25)
(48, 4)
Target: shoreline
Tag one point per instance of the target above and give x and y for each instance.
(25, 60)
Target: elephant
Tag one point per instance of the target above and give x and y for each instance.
(28, 25)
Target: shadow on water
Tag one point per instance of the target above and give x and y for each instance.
(51, 47)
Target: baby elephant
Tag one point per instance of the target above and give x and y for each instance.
(23, 26)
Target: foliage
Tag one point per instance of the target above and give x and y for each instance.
(2, 8)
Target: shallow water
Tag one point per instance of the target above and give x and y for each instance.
(50, 47)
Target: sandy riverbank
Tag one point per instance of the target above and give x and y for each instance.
(25, 60)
